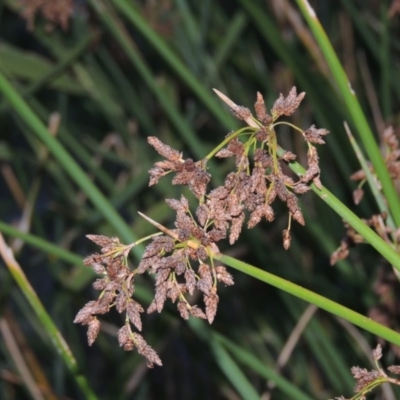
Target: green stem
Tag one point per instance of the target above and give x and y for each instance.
(226, 141)
(361, 227)
(313, 298)
(379, 198)
(131, 12)
(67, 162)
(50, 328)
(354, 109)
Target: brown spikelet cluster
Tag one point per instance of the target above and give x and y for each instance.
(182, 259)
(116, 286)
(184, 265)
(386, 312)
(391, 155)
(180, 266)
(55, 12)
(379, 223)
(367, 380)
(187, 171)
(258, 179)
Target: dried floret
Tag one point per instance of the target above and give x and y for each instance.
(93, 330)
(197, 312)
(183, 310)
(358, 195)
(241, 112)
(313, 165)
(56, 12)
(224, 153)
(181, 205)
(261, 110)
(202, 214)
(394, 369)
(288, 156)
(364, 377)
(190, 278)
(145, 350)
(287, 106)
(133, 310)
(205, 282)
(286, 239)
(163, 149)
(211, 302)
(377, 353)
(236, 227)
(314, 135)
(223, 275)
(85, 314)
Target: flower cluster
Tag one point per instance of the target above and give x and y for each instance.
(366, 380)
(379, 222)
(387, 309)
(187, 171)
(56, 12)
(258, 178)
(182, 259)
(182, 263)
(352, 237)
(117, 287)
(391, 155)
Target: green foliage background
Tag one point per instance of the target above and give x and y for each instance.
(126, 70)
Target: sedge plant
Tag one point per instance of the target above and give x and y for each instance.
(185, 259)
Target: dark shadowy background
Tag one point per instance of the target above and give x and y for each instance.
(152, 73)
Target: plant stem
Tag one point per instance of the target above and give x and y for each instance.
(322, 302)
